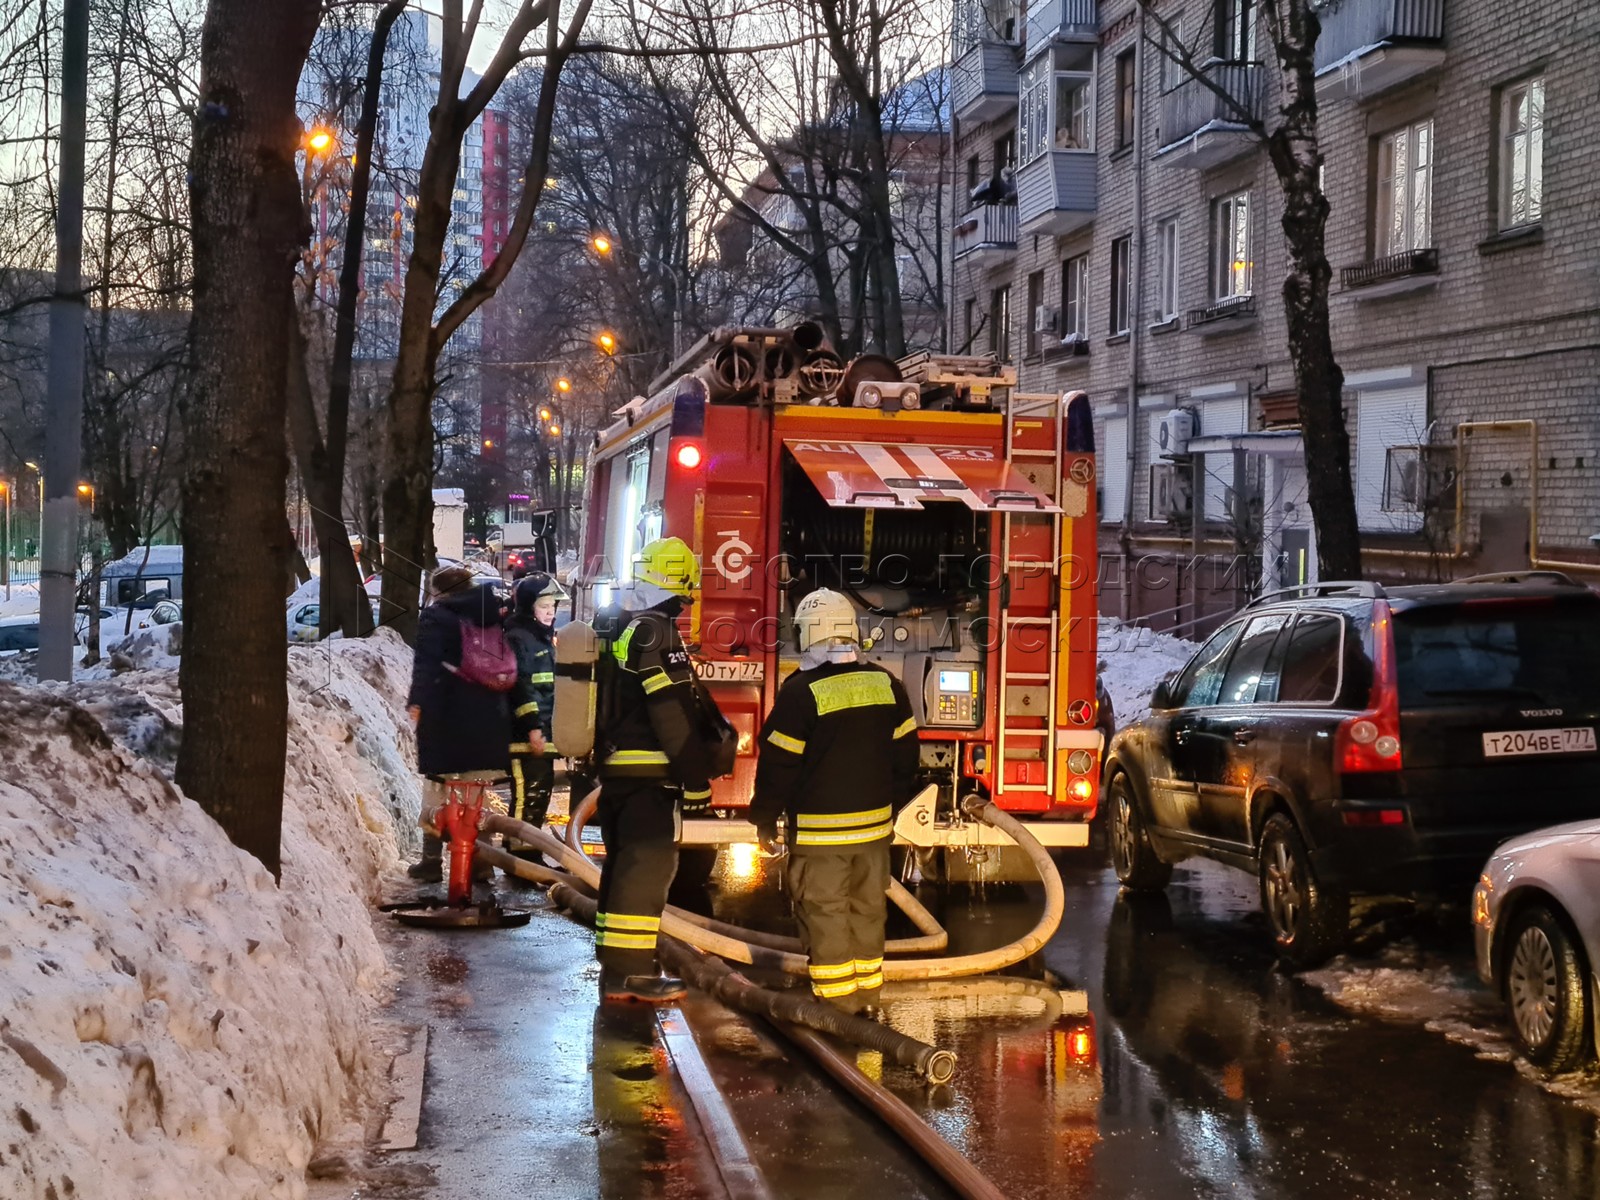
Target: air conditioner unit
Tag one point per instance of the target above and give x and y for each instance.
(1045, 318)
(1177, 426)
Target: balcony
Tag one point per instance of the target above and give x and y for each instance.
(1061, 21)
(1225, 316)
(1392, 275)
(1056, 192)
(987, 234)
(983, 84)
(1370, 46)
(1201, 129)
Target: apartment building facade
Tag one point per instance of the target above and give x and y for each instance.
(1117, 230)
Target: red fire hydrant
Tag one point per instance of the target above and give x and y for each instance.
(458, 822)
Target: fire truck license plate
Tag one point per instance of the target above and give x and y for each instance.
(1577, 740)
(747, 671)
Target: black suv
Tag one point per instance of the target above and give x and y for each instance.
(1347, 737)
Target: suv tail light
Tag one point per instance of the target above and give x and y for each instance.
(1370, 740)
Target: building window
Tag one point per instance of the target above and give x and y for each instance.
(1005, 151)
(1121, 284)
(969, 322)
(1000, 323)
(974, 174)
(1033, 110)
(1522, 153)
(1230, 247)
(1074, 115)
(1236, 30)
(1075, 299)
(1405, 190)
(1172, 73)
(1126, 99)
(1167, 270)
(1035, 314)
(1055, 108)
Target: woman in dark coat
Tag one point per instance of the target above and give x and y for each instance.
(461, 726)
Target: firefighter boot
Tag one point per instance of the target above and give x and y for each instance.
(615, 988)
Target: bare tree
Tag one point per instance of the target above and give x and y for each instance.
(424, 331)
(249, 226)
(818, 111)
(1290, 138)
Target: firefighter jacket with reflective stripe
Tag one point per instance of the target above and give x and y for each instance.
(533, 697)
(838, 756)
(654, 729)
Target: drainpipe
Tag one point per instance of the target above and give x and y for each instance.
(1135, 318)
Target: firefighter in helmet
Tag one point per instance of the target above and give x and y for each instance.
(530, 630)
(838, 756)
(653, 762)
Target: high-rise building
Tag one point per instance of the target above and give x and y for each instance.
(330, 97)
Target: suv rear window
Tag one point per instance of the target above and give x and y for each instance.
(1542, 653)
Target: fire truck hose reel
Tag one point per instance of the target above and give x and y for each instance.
(738, 950)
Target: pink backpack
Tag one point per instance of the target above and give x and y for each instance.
(486, 658)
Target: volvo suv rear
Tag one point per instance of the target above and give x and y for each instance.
(1353, 738)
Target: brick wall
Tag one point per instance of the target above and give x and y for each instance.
(1505, 329)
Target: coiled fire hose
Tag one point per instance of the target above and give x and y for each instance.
(737, 946)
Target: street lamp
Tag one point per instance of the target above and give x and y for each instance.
(319, 141)
(5, 552)
(603, 246)
(607, 341)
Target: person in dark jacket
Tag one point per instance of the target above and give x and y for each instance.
(462, 728)
(838, 756)
(531, 631)
(653, 759)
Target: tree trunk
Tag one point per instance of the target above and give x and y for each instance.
(249, 228)
(408, 489)
(1297, 160)
(344, 604)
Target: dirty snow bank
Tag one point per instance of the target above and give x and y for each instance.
(1133, 660)
(172, 1023)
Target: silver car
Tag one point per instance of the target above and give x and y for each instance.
(1536, 927)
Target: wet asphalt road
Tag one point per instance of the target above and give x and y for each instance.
(1170, 1058)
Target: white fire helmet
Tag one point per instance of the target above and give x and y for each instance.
(825, 616)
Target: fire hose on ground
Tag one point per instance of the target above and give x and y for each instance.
(722, 982)
(737, 947)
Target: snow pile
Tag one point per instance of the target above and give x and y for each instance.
(1133, 660)
(172, 1023)
(24, 600)
(1444, 996)
(155, 648)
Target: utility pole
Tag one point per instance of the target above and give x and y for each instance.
(58, 564)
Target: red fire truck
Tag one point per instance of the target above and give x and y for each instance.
(957, 515)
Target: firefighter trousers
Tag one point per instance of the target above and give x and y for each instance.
(533, 778)
(840, 905)
(641, 824)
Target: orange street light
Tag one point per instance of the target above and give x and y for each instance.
(563, 385)
(555, 430)
(319, 141)
(545, 414)
(601, 243)
(607, 342)
(488, 443)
